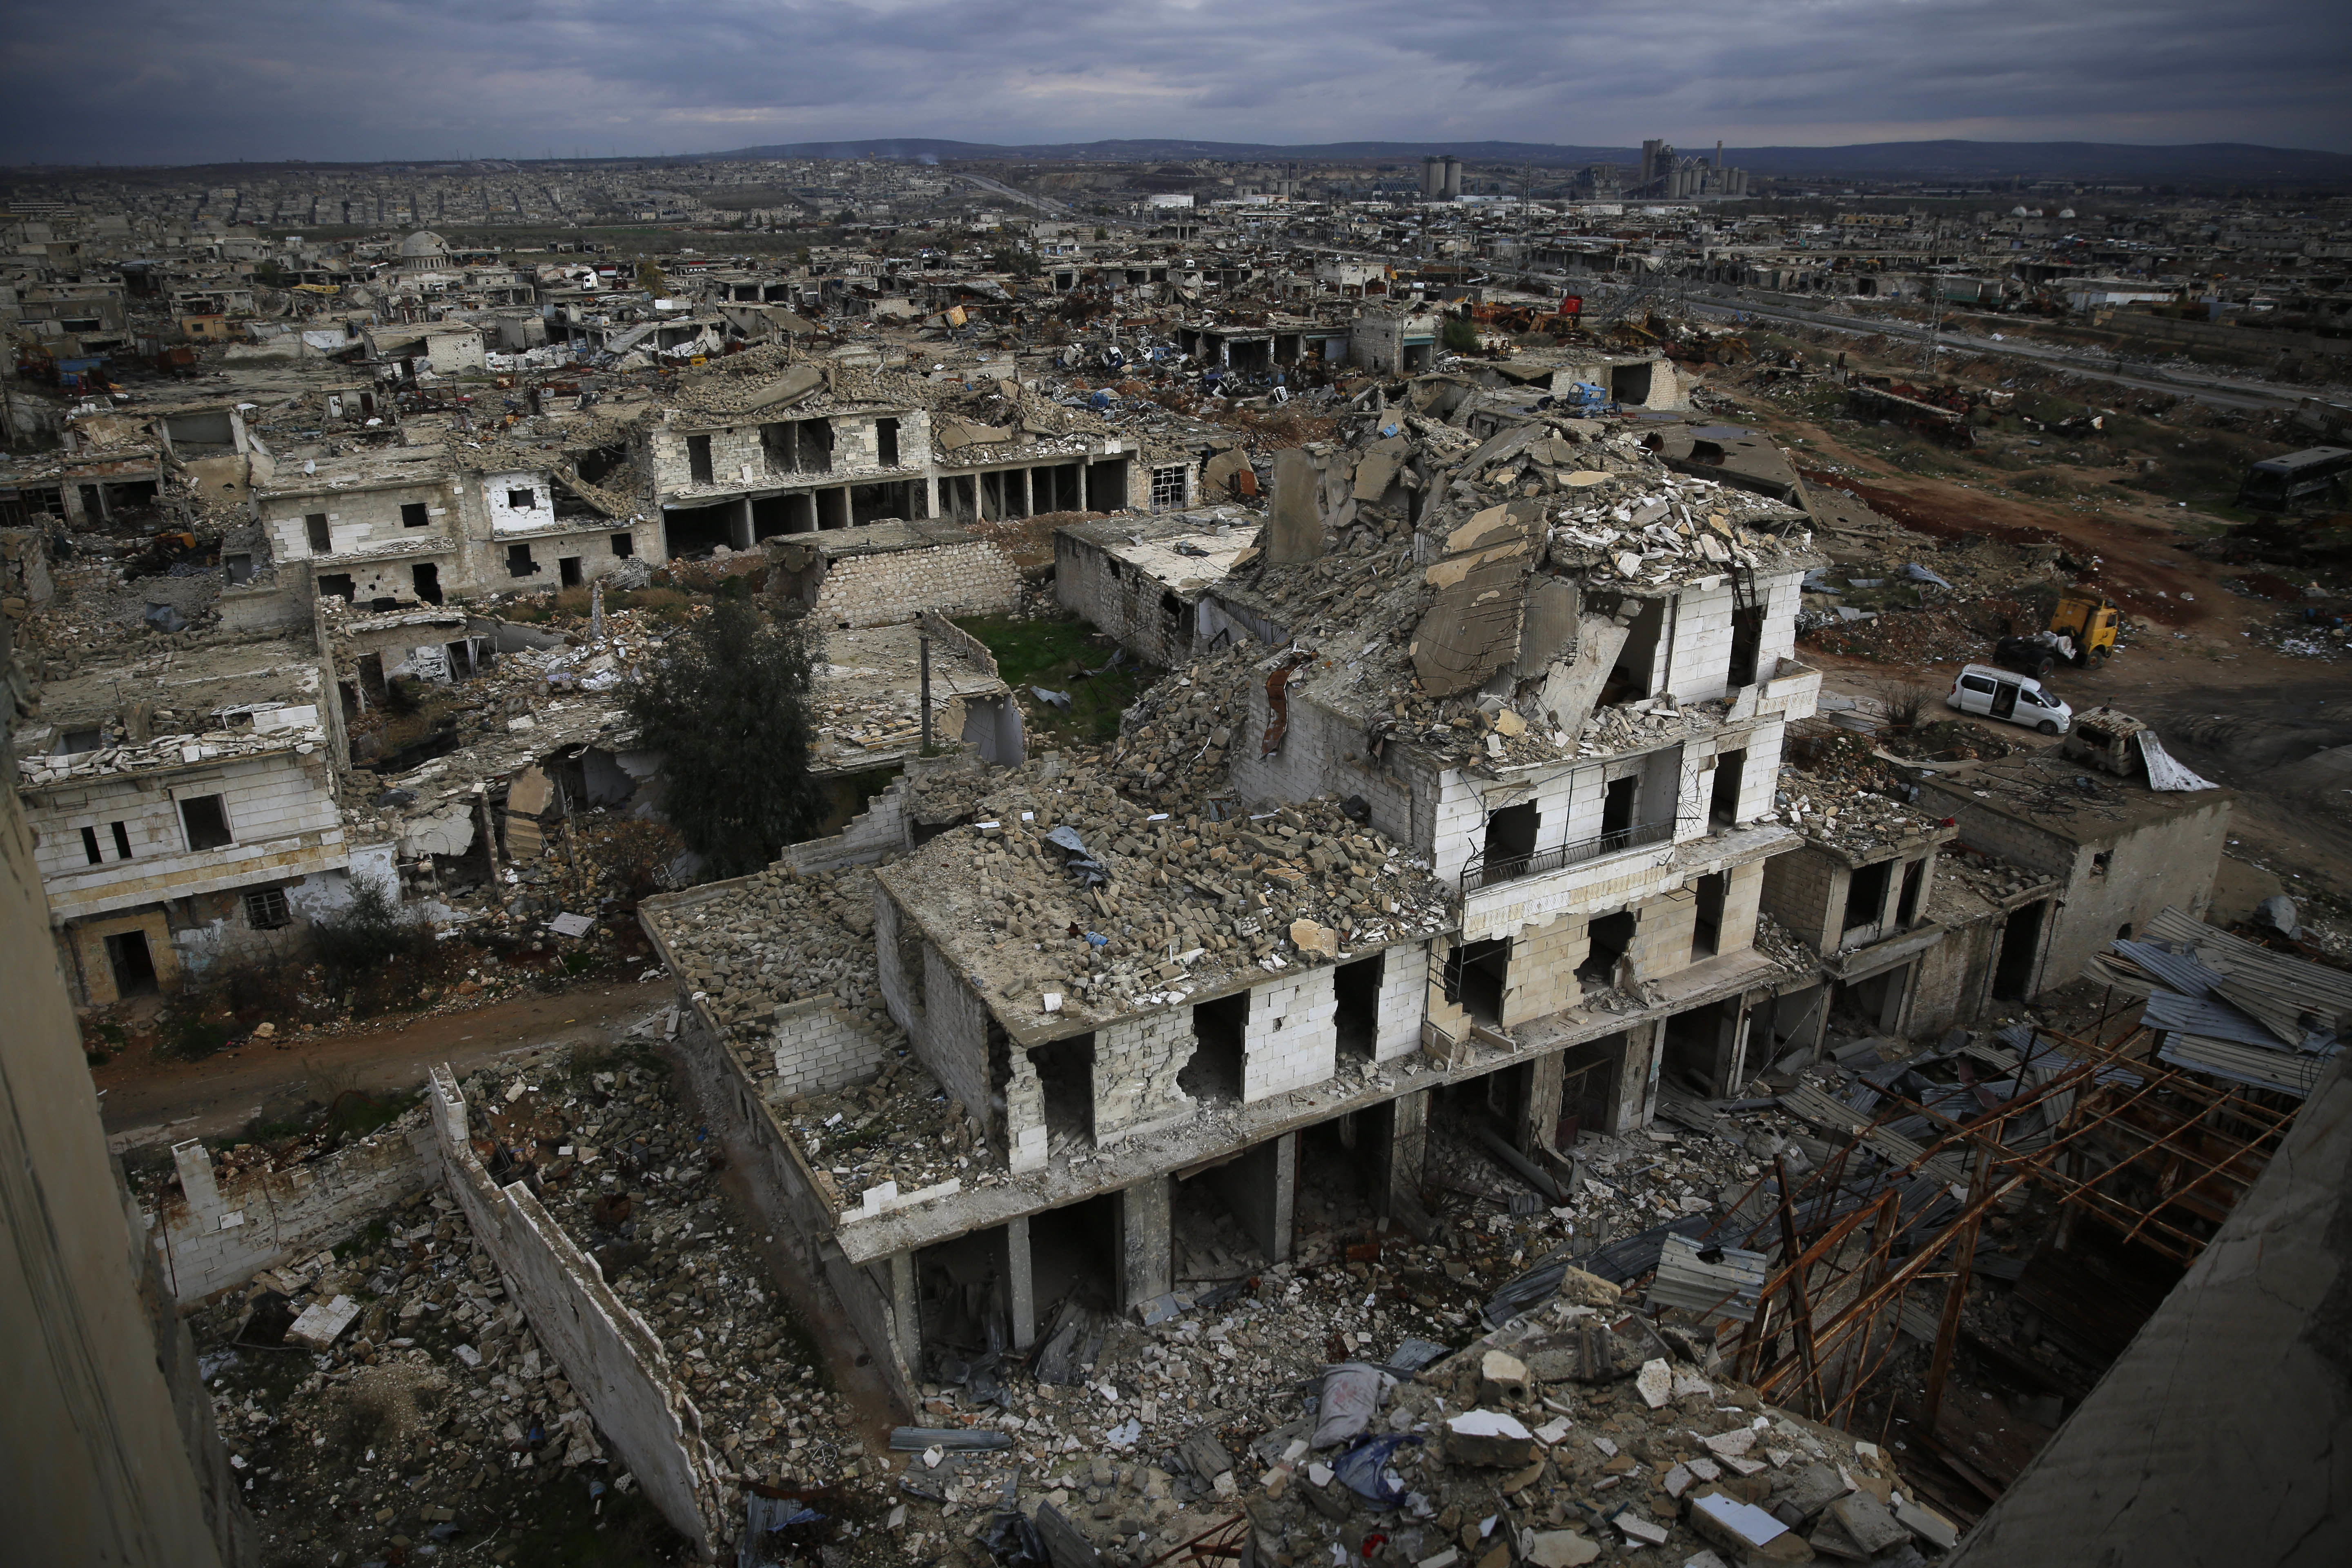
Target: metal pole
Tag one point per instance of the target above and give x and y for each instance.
(926, 638)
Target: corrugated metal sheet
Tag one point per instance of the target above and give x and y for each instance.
(2261, 1066)
(2272, 986)
(1727, 1285)
(2175, 1014)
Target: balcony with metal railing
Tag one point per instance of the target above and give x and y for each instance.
(1484, 872)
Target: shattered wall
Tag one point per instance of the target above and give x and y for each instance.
(221, 1231)
(880, 830)
(818, 1047)
(611, 1357)
(1136, 1060)
(786, 1191)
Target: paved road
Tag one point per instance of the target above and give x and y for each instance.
(2221, 391)
(1043, 203)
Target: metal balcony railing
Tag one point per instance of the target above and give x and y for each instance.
(1481, 872)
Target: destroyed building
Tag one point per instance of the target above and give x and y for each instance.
(196, 821)
(1484, 836)
(1142, 582)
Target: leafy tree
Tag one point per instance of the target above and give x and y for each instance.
(1460, 334)
(728, 705)
(651, 280)
(1020, 263)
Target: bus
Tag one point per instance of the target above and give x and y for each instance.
(2311, 479)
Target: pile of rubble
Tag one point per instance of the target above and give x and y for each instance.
(1847, 813)
(899, 1126)
(1303, 1406)
(1175, 738)
(634, 1179)
(386, 1399)
(1067, 890)
(778, 936)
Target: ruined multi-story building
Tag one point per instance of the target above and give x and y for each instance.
(1491, 812)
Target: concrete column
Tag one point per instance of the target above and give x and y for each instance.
(1408, 1136)
(1028, 493)
(1545, 1077)
(907, 1314)
(1019, 1283)
(738, 523)
(1147, 1242)
(1637, 1086)
(1262, 1190)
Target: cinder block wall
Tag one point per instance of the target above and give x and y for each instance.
(1404, 984)
(885, 589)
(1292, 1038)
(1702, 643)
(219, 1234)
(1543, 969)
(820, 1047)
(1743, 895)
(1804, 890)
(1135, 1063)
(1025, 1136)
(1662, 929)
(954, 1042)
(880, 830)
(609, 1354)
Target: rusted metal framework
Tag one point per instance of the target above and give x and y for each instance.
(2158, 1155)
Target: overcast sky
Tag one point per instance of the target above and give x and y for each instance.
(145, 81)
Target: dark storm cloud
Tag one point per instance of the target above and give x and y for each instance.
(142, 80)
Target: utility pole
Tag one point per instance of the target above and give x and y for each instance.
(925, 639)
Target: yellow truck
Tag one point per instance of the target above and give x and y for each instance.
(2089, 622)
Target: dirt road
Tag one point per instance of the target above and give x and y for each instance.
(143, 1100)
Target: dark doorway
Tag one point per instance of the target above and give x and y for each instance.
(962, 1301)
(692, 532)
(1706, 929)
(133, 966)
(1220, 1027)
(1510, 840)
(1587, 1091)
(1608, 938)
(1617, 804)
(1478, 974)
(2021, 948)
(1723, 805)
(1074, 1256)
(321, 537)
(337, 586)
(1747, 641)
(1865, 896)
(698, 458)
(519, 562)
(427, 578)
(885, 442)
(1356, 989)
(567, 568)
(1065, 1071)
(1906, 907)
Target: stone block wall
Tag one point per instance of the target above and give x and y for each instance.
(1700, 663)
(610, 1355)
(1404, 984)
(880, 830)
(219, 1233)
(1542, 975)
(818, 1047)
(1135, 1063)
(1025, 1137)
(1292, 1038)
(1662, 929)
(884, 589)
(1804, 890)
(954, 1043)
(1742, 898)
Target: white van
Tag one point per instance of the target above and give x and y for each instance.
(2005, 694)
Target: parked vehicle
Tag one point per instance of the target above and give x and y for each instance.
(2314, 478)
(2027, 656)
(2090, 620)
(2004, 694)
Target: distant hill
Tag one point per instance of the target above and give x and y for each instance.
(2096, 160)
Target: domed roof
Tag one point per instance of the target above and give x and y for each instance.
(423, 242)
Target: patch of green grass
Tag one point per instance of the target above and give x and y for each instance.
(1054, 654)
